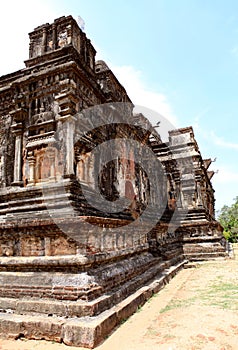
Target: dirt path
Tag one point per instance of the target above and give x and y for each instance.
(197, 310)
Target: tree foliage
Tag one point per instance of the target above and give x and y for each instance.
(228, 217)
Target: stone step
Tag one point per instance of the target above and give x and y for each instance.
(206, 256)
(85, 331)
(71, 300)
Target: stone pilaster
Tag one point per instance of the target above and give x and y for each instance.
(199, 195)
(32, 162)
(54, 35)
(67, 103)
(178, 194)
(44, 41)
(17, 177)
(17, 129)
(69, 128)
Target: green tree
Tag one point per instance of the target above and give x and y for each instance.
(228, 217)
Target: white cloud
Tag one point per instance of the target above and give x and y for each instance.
(199, 116)
(226, 179)
(225, 184)
(226, 175)
(17, 19)
(141, 95)
(212, 137)
(219, 141)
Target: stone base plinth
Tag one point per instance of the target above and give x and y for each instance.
(16, 320)
(203, 241)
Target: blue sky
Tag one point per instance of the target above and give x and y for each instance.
(177, 57)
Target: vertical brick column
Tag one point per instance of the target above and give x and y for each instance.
(67, 102)
(17, 129)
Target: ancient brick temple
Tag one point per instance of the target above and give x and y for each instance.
(97, 213)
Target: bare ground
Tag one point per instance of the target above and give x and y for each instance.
(197, 310)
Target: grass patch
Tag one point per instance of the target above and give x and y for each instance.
(151, 331)
(178, 303)
(221, 294)
(223, 287)
(151, 298)
(169, 336)
(139, 309)
(123, 321)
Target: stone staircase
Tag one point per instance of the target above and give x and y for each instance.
(86, 321)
